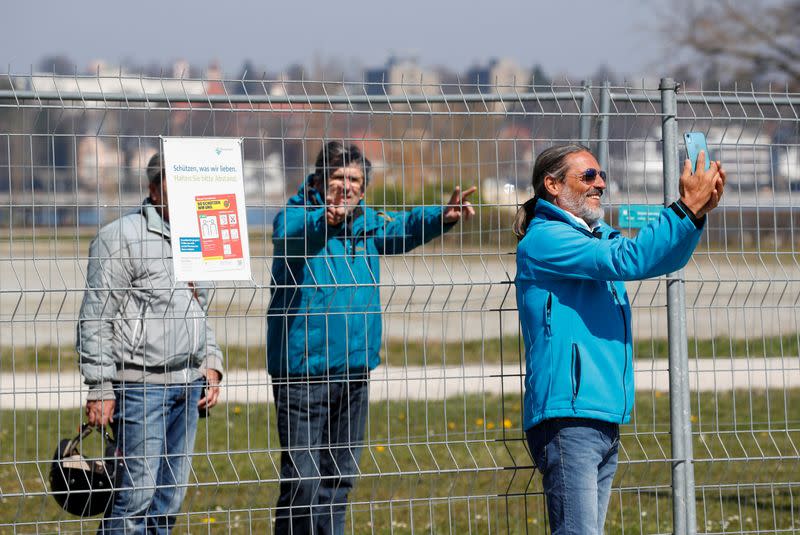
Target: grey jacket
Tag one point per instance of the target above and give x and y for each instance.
(136, 322)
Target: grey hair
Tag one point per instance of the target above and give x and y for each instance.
(334, 155)
(551, 162)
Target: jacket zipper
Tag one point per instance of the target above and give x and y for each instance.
(354, 242)
(362, 235)
(625, 343)
(196, 337)
(195, 321)
(138, 334)
(576, 374)
(548, 313)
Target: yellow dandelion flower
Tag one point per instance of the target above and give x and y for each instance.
(479, 421)
(208, 520)
(507, 423)
(490, 425)
(451, 425)
(237, 410)
(380, 448)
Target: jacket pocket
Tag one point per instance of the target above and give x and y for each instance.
(575, 373)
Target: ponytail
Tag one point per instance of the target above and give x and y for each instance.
(524, 216)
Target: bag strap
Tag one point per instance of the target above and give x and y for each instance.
(86, 429)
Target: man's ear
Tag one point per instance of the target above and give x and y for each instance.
(155, 192)
(553, 185)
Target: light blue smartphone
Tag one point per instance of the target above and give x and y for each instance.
(695, 142)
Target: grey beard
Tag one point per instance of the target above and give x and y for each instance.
(592, 215)
(577, 206)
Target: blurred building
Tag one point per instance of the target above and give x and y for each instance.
(401, 76)
(499, 76)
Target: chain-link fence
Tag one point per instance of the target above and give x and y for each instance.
(714, 436)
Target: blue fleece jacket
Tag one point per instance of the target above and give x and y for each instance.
(575, 313)
(325, 313)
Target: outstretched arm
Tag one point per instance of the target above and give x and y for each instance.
(403, 231)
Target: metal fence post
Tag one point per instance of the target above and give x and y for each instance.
(586, 112)
(602, 125)
(683, 505)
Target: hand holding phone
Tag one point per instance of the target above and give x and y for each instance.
(696, 142)
(701, 189)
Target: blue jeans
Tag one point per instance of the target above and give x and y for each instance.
(321, 429)
(577, 458)
(155, 427)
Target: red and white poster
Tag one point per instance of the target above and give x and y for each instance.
(218, 224)
(208, 216)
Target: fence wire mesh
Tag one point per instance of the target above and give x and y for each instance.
(443, 449)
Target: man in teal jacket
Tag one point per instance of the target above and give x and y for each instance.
(324, 328)
(576, 321)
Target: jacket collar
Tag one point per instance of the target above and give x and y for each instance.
(550, 212)
(308, 194)
(153, 218)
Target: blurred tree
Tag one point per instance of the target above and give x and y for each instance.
(57, 64)
(751, 40)
(604, 73)
(11, 159)
(249, 80)
(540, 77)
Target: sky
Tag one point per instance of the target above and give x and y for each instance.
(572, 37)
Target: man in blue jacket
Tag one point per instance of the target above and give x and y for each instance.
(576, 320)
(324, 328)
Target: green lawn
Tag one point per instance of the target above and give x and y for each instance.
(456, 466)
(417, 353)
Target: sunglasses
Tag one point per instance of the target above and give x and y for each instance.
(590, 175)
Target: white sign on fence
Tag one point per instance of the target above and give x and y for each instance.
(207, 213)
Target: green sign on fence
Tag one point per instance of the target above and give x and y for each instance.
(638, 215)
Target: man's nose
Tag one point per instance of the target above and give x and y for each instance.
(599, 183)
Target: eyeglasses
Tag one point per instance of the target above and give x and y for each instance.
(590, 175)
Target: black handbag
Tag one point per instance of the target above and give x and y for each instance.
(81, 486)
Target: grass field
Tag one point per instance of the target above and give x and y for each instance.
(417, 353)
(455, 466)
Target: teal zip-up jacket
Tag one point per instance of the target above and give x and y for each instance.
(575, 313)
(324, 315)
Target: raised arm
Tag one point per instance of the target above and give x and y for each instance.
(665, 245)
(560, 251)
(301, 231)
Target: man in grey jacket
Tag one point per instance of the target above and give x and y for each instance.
(149, 358)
